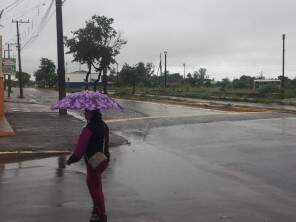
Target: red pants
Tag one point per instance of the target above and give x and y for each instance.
(94, 183)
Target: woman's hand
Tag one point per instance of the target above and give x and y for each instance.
(72, 159)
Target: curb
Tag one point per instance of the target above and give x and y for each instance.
(16, 156)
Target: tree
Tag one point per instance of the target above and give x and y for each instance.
(190, 79)
(25, 78)
(144, 73)
(46, 76)
(113, 75)
(174, 79)
(128, 76)
(140, 73)
(244, 82)
(199, 78)
(96, 45)
(224, 84)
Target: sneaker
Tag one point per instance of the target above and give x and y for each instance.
(94, 218)
(103, 219)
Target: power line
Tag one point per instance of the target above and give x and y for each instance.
(11, 5)
(45, 19)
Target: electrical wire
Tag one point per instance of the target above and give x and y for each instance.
(15, 2)
(44, 21)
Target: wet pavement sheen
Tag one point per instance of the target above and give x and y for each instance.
(182, 165)
(225, 171)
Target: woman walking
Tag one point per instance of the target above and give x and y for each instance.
(94, 138)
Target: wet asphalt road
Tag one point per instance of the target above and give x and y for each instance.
(181, 164)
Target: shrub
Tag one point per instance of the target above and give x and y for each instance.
(269, 91)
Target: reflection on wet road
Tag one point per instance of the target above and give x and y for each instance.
(229, 171)
(182, 164)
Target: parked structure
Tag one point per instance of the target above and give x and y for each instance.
(262, 82)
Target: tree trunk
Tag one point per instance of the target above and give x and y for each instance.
(134, 88)
(98, 79)
(105, 80)
(86, 77)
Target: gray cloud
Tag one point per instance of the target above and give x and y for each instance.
(228, 37)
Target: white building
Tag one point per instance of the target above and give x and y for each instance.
(76, 79)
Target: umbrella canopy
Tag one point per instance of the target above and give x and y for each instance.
(87, 100)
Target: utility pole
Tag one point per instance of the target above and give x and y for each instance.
(184, 64)
(283, 73)
(117, 73)
(160, 70)
(160, 65)
(60, 51)
(165, 69)
(19, 55)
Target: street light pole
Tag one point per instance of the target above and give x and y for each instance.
(283, 71)
(60, 50)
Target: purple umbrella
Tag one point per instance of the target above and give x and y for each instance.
(87, 100)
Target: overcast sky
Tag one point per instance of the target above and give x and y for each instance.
(228, 37)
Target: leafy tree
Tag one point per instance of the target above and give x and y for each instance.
(113, 75)
(144, 73)
(200, 76)
(46, 76)
(25, 78)
(288, 83)
(224, 84)
(244, 82)
(96, 45)
(137, 74)
(174, 78)
(128, 76)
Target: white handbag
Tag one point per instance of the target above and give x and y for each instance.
(97, 158)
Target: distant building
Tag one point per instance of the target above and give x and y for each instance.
(263, 82)
(76, 79)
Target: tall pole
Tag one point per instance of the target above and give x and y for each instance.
(8, 49)
(60, 51)
(117, 73)
(283, 73)
(184, 70)
(19, 61)
(165, 69)
(160, 70)
(19, 55)
(160, 65)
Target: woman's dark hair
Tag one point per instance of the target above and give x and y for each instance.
(97, 116)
